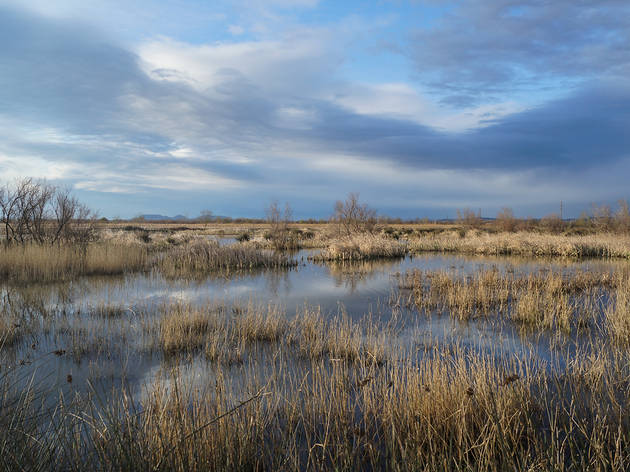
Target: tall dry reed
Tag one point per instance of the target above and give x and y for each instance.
(47, 263)
(526, 244)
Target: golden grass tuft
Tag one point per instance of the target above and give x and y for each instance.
(543, 300)
(201, 257)
(525, 244)
(47, 263)
(362, 246)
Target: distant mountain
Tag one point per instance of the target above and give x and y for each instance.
(164, 218)
(152, 217)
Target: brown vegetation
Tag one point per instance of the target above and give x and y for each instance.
(525, 244)
(361, 247)
(45, 263)
(351, 217)
(322, 402)
(205, 256)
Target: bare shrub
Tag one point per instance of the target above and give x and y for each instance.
(506, 220)
(279, 232)
(35, 211)
(552, 223)
(468, 218)
(622, 216)
(351, 216)
(602, 217)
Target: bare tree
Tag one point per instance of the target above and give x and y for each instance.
(351, 216)
(205, 216)
(469, 218)
(622, 216)
(602, 217)
(506, 220)
(279, 231)
(35, 211)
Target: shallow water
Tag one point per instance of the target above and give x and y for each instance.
(110, 353)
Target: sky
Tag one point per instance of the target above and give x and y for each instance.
(422, 107)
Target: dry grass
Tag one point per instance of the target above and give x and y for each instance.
(46, 263)
(10, 331)
(362, 247)
(206, 256)
(226, 334)
(426, 411)
(542, 300)
(617, 312)
(525, 244)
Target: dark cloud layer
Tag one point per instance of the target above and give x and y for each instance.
(483, 48)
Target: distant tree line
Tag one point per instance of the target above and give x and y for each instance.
(601, 218)
(36, 211)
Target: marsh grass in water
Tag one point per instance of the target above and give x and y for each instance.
(361, 246)
(248, 386)
(546, 300)
(201, 257)
(418, 410)
(47, 263)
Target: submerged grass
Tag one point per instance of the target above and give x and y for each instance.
(225, 334)
(543, 299)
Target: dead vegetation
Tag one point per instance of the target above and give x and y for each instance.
(320, 401)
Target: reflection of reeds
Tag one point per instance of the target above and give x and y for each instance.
(46, 263)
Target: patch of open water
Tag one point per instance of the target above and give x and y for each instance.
(59, 314)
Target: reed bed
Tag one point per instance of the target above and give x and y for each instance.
(543, 299)
(424, 410)
(47, 263)
(201, 257)
(225, 334)
(362, 246)
(605, 245)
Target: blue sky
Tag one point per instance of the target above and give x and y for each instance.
(422, 107)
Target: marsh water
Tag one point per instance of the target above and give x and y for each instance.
(98, 350)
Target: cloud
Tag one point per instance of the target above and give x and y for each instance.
(231, 126)
(481, 49)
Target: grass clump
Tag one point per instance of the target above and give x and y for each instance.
(617, 313)
(543, 299)
(48, 263)
(362, 246)
(604, 245)
(206, 256)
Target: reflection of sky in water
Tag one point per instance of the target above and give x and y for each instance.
(358, 289)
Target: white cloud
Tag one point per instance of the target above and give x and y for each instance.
(236, 30)
(298, 64)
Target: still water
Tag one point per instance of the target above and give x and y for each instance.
(99, 352)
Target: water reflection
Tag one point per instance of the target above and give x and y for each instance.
(104, 322)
